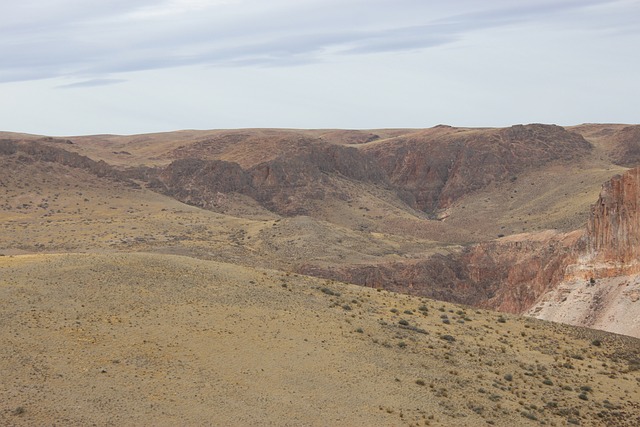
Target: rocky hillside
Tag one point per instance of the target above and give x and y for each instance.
(613, 230)
(536, 273)
(50, 150)
(508, 274)
(360, 206)
(283, 185)
(602, 285)
(439, 166)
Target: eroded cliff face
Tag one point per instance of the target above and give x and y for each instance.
(508, 274)
(283, 185)
(601, 288)
(517, 273)
(613, 230)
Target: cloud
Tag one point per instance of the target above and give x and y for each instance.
(71, 38)
(92, 83)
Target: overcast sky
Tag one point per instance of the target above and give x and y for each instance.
(70, 67)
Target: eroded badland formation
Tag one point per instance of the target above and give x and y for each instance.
(211, 277)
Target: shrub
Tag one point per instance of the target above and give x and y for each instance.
(508, 377)
(420, 382)
(403, 322)
(448, 338)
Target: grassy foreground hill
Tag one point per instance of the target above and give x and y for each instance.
(150, 339)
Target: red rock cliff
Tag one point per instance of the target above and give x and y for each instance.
(613, 231)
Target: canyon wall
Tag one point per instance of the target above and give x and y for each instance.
(508, 274)
(513, 274)
(613, 230)
(601, 288)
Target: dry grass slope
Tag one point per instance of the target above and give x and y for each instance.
(148, 339)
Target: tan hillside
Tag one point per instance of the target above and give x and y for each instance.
(144, 339)
(195, 277)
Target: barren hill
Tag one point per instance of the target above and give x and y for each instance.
(147, 339)
(188, 260)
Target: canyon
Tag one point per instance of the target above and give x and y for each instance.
(492, 218)
(460, 276)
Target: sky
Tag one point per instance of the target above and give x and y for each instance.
(77, 67)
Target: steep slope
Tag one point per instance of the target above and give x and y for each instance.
(549, 275)
(613, 230)
(440, 165)
(284, 185)
(602, 286)
(619, 142)
(508, 274)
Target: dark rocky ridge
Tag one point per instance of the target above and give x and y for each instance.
(627, 151)
(33, 151)
(438, 166)
(277, 184)
(429, 169)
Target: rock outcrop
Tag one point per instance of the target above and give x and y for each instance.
(201, 182)
(283, 185)
(613, 230)
(438, 166)
(507, 274)
(514, 274)
(627, 146)
(601, 287)
(33, 151)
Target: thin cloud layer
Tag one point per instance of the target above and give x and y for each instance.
(92, 83)
(75, 38)
(134, 66)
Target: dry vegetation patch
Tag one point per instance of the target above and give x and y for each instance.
(149, 339)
